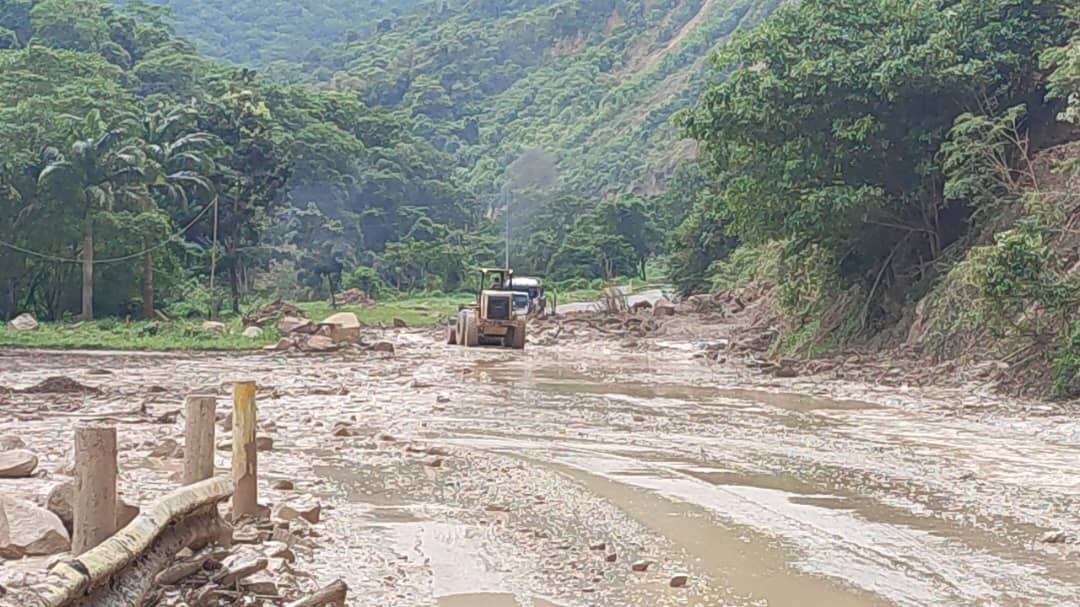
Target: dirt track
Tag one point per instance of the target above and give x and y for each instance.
(485, 477)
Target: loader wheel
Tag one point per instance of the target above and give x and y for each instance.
(451, 336)
(517, 339)
(459, 332)
(472, 332)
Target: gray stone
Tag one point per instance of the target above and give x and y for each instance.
(17, 463)
(382, 346)
(9, 442)
(678, 581)
(29, 530)
(23, 322)
(215, 327)
(253, 332)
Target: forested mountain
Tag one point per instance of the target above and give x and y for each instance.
(548, 107)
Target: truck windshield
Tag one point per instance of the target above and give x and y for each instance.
(521, 301)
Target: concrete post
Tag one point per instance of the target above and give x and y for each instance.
(199, 411)
(95, 487)
(244, 460)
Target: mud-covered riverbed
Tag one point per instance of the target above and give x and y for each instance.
(498, 478)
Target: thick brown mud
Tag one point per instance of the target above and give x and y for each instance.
(494, 478)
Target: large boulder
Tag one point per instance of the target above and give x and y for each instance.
(28, 530)
(17, 463)
(252, 332)
(23, 322)
(343, 327)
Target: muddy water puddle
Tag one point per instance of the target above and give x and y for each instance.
(804, 539)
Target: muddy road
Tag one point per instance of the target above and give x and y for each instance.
(495, 478)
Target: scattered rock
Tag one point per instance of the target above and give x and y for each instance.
(125, 513)
(354, 297)
(598, 546)
(307, 510)
(214, 327)
(400, 324)
(23, 322)
(345, 430)
(639, 418)
(382, 346)
(264, 443)
(282, 485)
(60, 502)
(642, 565)
(295, 324)
(260, 583)
(253, 332)
(266, 314)
(439, 451)
(28, 530)
(17, 463)
(611, 557)
(641, 305)
(343, 327)
(319, 343)
(663, 308)
(59, 385)
(442, 398)
(283, 345)
(436, 463)
(1054, 537)
(497, 508)
(9, 442)
(167, 449)
(678, 581)
(785, 371)
(238, 566)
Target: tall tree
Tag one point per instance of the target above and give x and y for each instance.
(98, 172)
(179, 169)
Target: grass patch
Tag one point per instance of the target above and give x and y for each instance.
(112, 334)
(181, 335)
(417, 310)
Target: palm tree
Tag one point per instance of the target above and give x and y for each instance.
(99, 172)
(177, 168)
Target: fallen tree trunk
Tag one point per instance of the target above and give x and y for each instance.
(120, 571)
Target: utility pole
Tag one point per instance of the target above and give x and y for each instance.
(213, 262)
(506, 203)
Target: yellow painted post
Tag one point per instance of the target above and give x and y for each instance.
(199, 412)
(244, 460)
(94, 516)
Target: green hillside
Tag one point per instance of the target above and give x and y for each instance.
(256, 33)
(578, 93)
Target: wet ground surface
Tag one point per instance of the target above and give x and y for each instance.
(496, 478)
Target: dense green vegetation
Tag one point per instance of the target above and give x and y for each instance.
(863, 156)
(868, 145)
(373, 146)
